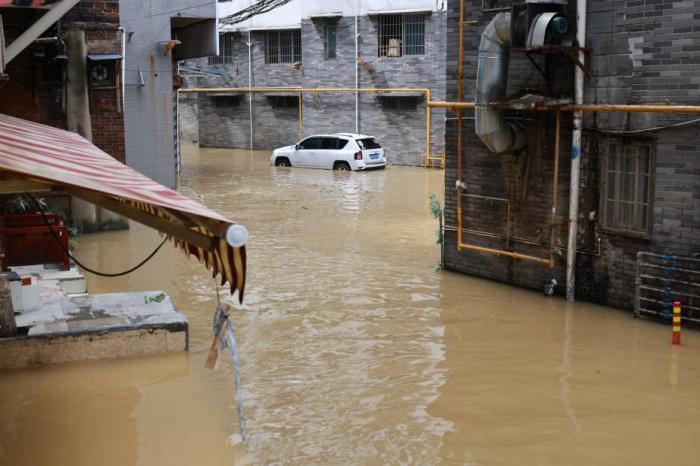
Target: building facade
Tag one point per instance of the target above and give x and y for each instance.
(312, 45)
(640, 172)
(157, 34)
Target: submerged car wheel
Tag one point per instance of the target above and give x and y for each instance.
(342, 166)
(282, 162)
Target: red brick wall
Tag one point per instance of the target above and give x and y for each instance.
(30, 95)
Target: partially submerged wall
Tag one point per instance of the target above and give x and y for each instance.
(643, 52)
(224, 122)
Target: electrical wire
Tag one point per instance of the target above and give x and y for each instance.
(644, 130)
(88, 269)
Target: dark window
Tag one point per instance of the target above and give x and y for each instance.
(225, 50)
(333, 143)
(627, 185)
(368, 143)
(498, 5)
(287, 101)
(398, 103)
(283, 46)
(401, 35)
(329, 42)
(311, 144)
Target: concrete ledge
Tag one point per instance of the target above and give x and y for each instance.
(33, 351)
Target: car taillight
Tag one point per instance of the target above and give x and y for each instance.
(358, 155)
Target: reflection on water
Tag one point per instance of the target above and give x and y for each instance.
(355, 349)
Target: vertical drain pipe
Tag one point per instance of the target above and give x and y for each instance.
(576, 155)
(460, 97)
(357, 69)
(250, 86)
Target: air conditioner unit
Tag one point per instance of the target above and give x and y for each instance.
(536, 24)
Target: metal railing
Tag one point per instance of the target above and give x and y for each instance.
(664, 278)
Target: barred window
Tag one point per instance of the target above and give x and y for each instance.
(284, 101)
(399, 103)
(498, 5)
(627, 185)
(329, 42)
(283, 46)
(401, 35)
(225, 50)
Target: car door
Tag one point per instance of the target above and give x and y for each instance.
(328, 153)
(307, 151)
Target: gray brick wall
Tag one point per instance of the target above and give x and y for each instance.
(402, 132)
(643, 52)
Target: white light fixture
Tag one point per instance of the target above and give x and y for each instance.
(236, 235)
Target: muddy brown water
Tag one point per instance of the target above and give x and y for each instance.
(356, 350)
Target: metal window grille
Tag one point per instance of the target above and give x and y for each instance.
(627, 185)
(225, 50)
(414, 35)
(401, 35)
(284, 101)
(399, 103)
(498, 5)
(283, 46)
(329, 41)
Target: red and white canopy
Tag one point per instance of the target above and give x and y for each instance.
(58, 157)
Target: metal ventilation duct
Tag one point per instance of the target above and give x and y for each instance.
(491, 126)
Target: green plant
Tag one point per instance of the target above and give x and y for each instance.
(438, 213)
(159, 298)
(22, 204)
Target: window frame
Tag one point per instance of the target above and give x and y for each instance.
(276, 45)
(225, 42)
(326, 41)
(626, 143)
(407, 27)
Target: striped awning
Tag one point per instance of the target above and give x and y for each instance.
(50, 157)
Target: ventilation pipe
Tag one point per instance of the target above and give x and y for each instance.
(497, 134)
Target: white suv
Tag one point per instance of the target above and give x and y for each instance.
(338, 151)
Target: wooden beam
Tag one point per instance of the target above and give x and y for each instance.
(160, 224)
(13, 184)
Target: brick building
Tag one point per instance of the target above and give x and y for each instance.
(312, 44)
(34, 88)
(640, 172)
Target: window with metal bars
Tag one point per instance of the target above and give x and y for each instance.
(401, 35)
(627, 183)
(225, 50)
(283, 46)
(329, 33)
(498, 5)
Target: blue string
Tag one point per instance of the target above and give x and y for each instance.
(236, 376)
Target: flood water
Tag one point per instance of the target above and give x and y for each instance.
(355, 349)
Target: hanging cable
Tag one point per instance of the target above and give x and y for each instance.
(88, 269)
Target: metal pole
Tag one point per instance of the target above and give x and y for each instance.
(357, 68)
(576, 155)
(250, 86)
(460, 97)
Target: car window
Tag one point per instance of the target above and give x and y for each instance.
(333, 143)
(311, 143)
(368, 143)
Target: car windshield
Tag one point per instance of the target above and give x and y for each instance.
(368, 143)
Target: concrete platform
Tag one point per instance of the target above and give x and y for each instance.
(78, 326)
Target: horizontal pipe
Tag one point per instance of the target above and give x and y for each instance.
(500, 252)
(371, 90)
(641, 108)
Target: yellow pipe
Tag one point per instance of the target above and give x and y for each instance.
(501, 252)
(641, 108)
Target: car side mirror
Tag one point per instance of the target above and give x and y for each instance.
(296, 146)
